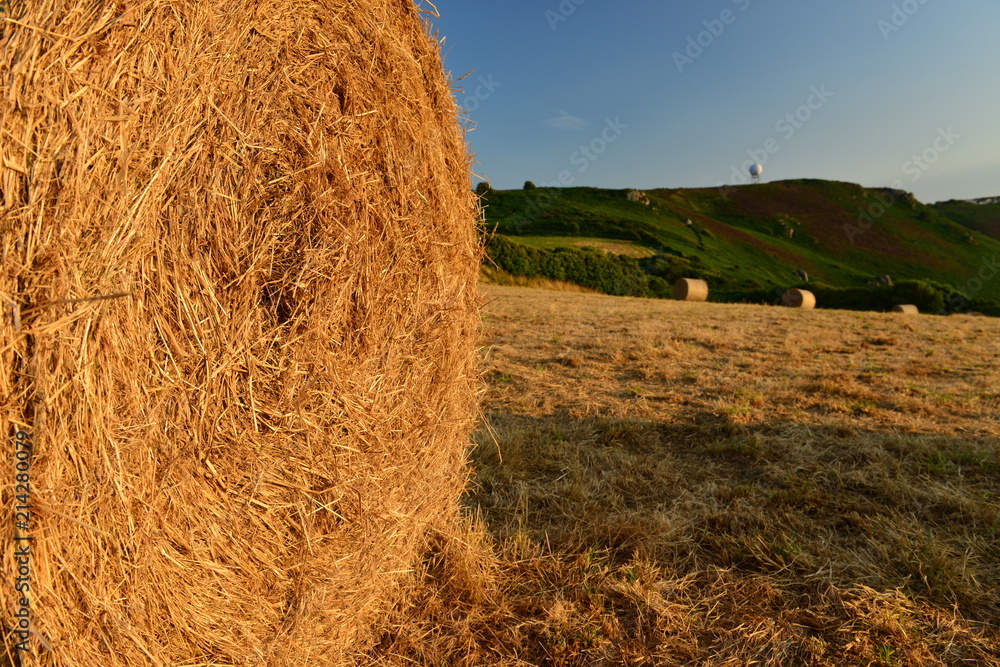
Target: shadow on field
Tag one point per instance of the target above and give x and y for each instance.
(599, 541)
(798, 504)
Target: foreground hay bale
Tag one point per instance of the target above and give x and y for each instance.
(799, 298)
(241, 454)
(908, 309)
(691, 289)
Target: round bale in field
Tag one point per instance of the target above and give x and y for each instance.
(691, 289)
(908, 309)
(799, 298)
(241, 244)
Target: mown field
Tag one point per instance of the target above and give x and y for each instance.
(664, 483)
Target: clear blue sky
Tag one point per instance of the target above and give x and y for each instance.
(896, 80)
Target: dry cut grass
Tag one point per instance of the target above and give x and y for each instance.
(663, 483)
(492, 276)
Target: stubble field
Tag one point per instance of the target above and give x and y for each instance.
(663, 483)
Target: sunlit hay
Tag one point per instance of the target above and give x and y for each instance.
(751, 465)
(799, 298)
(241, 454)
(691, 289)
(489, 275)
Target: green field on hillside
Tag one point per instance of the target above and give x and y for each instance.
(982, 217)
(620, 247)
(753, 239)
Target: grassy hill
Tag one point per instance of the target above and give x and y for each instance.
(982, 216)
(752, 239)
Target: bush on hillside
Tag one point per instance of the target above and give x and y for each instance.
(927, 296)
(654, 277)
(671, 268)
(984, 306)
(604, 272)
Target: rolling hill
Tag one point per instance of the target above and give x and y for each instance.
(750, 240)
(982, 215)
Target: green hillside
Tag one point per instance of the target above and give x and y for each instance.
(982, 216)
(750, 240)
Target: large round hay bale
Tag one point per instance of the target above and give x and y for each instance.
(908, 309)
(240, 454)
(799, 298)
(690, 289)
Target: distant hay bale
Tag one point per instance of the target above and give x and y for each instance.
(799, 298)
(691, 289)
(909, 309)
(239, 457)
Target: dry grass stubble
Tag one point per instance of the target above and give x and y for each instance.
(669, 484)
